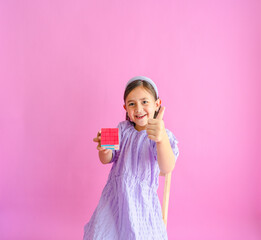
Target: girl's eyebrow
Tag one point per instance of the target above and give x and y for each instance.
(134, 101)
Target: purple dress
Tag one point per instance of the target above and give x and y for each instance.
(129, 207)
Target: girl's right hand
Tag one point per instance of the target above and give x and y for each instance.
(98, 140)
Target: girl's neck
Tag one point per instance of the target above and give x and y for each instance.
(140, 128)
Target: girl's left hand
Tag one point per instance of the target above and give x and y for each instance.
(156, 127)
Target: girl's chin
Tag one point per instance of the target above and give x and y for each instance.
(142, 123)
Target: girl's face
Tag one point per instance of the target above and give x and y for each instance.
(140, 106)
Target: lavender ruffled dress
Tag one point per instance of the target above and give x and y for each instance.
(129, 207)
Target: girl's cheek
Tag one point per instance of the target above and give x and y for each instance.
(131, 117)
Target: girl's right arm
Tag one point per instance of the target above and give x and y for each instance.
(105, 155)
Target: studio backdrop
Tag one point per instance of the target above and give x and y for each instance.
(63, 69)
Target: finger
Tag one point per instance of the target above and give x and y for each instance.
(99, 133)
(152, 137)
(152, 121)
(151, 132)
(106, 151)
(150, 129)
(97, 139)
(161, 113)
(100, 148)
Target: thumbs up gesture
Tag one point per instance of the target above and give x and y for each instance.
(156, 127)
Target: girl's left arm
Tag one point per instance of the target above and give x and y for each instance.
(157, 132)
(165, 155)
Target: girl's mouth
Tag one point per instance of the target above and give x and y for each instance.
(140, 117)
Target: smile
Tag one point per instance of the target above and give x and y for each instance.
(140, 117)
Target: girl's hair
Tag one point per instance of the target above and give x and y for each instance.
(144, 84)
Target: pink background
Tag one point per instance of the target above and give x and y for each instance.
(63, 68)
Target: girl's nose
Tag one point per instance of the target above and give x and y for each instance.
(138, 108)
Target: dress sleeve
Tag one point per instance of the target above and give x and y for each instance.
(173, 143)
(115, 153)
(114, 156)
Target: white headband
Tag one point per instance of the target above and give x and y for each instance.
(144, 79)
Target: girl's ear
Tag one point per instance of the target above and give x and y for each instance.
(158, 103)
(124, 107)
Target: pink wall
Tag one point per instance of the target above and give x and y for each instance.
(63, 68)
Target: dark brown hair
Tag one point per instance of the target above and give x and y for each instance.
(144, 84)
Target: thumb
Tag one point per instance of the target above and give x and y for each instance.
(161, 113)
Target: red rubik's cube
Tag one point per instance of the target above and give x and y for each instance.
(110, 138)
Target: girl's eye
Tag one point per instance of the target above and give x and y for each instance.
(145, 102)
(131, 104)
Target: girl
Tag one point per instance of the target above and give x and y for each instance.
(129, 207)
